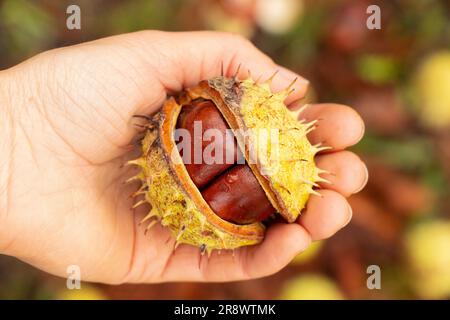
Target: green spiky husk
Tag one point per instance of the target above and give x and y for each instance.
(288, 187)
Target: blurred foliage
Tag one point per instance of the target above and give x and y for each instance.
(377, 69)
(431, 86)
(32, 25)
(309, 254)
(138, 14)
(428, 250)
(412, 153)
(86, 292)
(397, 78)
(19, 281)
(310, 287)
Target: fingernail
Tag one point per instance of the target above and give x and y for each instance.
(366, 179)
(350, 210)
(361, 135)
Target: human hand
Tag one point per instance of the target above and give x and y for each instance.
(66, 124)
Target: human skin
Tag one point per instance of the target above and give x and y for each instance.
(66, 125)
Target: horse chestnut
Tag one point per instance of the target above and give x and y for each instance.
(230, 189)
(204, 116)
(236, 196)
(219, 205)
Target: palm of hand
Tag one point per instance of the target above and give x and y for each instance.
(71, 142)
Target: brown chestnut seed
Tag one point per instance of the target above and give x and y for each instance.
(236, 196)
(207, 116)
(230, 189)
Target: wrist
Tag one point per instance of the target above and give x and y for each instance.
(6, 147)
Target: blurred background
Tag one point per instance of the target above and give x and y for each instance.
(397, 78)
